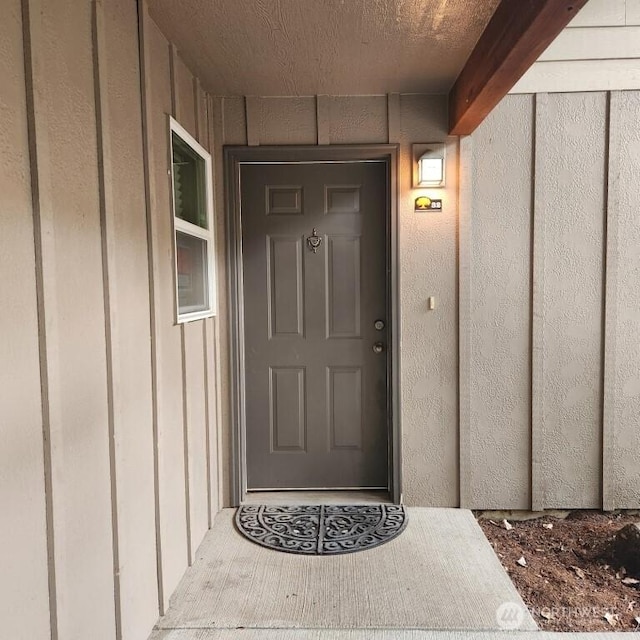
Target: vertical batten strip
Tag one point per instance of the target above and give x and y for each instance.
(175, 110)
(44, 238)
(213, 365)
(198, 133)
(323, 119)
(253, 106)
(202, 135)
(185, 422)
(216, 113)
(218, 479)
(207, 382)
(465, 250)
(108, 259)
(393, 117)
(611, 303)
(538, 489)
(175, 106)
(149, 186)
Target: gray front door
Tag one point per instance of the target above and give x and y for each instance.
(315, 305)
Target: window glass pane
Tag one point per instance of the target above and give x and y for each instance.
(191, 254)
(189, 190)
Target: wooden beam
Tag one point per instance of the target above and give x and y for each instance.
(516, 36)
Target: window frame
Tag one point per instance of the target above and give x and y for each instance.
(193, 230)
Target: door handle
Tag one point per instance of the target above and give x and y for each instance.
(378, 347)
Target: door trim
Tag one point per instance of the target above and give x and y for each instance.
(234, 157)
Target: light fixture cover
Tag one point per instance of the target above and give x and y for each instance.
(428, 165)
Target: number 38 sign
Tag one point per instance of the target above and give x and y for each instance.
(424, 203)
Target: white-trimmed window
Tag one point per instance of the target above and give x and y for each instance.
(193, 224)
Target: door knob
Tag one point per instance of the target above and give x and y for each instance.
(378, 325)
(378, 347)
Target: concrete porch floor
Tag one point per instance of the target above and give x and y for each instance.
(440, 574)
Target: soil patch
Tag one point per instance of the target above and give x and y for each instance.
(571, 581)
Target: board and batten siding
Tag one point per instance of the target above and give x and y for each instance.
(427, 249)
(108, 471)
(549, 304)
(598, 51)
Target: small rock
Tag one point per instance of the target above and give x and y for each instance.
(626, 547)
(522, 562)
(630, 581)
(611, 618)
(547, 525)
(507, 525)
(579, 572)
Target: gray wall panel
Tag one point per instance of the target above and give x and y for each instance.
(24, 593)
(288, 121)
(184, 89)
(234, 121)
(173, 532)
(622, 347)
(500, 326)
(570, 468)
(427, 267)
(92, 357)
(429, 355)
(125, 237)
(73, 298)
(357, 119)
(573, 134)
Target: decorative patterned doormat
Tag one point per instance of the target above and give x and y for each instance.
(321, 529)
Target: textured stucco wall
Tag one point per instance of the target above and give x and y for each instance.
(73, 292)
(570, 178)
(125, 237)
(427, 261)
(111, 409)
(101, 390)
(598, 51)
(170, 401)
(554, 257)
(24, 601)
(622, 330)
(429, 356)
(499, 325)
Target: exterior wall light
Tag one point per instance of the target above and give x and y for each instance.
(428, 165)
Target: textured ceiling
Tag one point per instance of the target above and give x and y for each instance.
(338, 47)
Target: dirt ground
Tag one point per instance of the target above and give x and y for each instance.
(571, 581)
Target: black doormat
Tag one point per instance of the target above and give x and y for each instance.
(321, 529)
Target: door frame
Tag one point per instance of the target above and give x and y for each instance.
(234, 157)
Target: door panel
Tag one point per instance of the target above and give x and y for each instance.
(316, 393)
(344, 395)
(287, 403)
(285, 285)
(343, 286)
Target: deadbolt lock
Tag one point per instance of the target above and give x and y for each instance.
(379, 325)
(378, 347)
